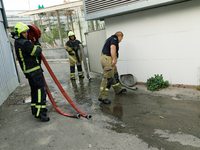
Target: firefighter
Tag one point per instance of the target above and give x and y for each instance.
(108, 62)
(72, 47)
(29, 57)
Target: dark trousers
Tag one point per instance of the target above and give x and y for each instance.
(38, 94)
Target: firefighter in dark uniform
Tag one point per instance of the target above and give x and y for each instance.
(29, 57)
(72, 47)
(108, 62)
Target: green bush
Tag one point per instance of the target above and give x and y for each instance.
(156, 83)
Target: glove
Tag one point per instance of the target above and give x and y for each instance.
(37, 42)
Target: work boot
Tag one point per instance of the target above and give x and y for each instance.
(122, 91)
(72, 78)
(34, 110)
(81, 76)
(106, 101)
(45, 110)
(44, 118)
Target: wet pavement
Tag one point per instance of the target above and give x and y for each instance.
(166, 120)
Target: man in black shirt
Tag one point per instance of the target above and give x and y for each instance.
(108, 62)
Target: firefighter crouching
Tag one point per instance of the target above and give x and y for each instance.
(72, 47)
(108, 62)
(29, 57)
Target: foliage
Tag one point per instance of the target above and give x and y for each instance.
(46, 36)
(156, 83)
(198, 88)
(55, 32)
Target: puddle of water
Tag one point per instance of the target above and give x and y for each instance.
(142, 114)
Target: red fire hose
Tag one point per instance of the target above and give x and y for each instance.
(55, 105)
(35, 32)
(62, 90)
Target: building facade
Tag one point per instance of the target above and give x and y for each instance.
(56, 21)
(160, 37)
(13, 18)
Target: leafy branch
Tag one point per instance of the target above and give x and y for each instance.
(156, 83)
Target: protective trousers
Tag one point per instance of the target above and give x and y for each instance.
(73, 60)
(110, 78)
(38, 95)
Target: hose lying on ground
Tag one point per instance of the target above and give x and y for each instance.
(62, 90)
(55, 105)
(129, 81)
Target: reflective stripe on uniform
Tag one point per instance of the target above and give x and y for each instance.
(22, 59)
(32, 69)
(37, 60)
(38, 108)
(33, 104)
(80, 73)
(114, 85)
(101, 88)
(72, 74)
(39, 95)
(73, 52)
(72, 58)
(106, 89)
(24, 65)
(34, 50)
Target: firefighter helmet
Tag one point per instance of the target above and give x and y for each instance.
(71, 34)
(20, 27)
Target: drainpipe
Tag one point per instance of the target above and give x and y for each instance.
(59, 28)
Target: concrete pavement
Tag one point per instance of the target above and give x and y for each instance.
(138, 120)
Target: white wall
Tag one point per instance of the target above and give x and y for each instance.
(163, 40)
(95, 41)
(8, 74)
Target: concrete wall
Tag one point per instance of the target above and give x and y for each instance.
(164, 40)
(55, 53)
(58, 53)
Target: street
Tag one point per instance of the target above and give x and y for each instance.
(138, 120)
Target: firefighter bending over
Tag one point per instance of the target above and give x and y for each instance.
(29, 57)
(72, 47)
(108, 62)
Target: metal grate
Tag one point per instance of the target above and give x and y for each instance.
(93, 6)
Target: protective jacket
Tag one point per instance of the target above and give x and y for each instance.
(29, 56)
(72, 46)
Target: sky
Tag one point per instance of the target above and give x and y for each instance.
(30, 4)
